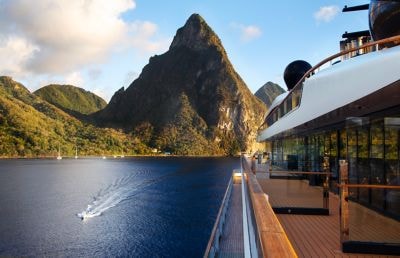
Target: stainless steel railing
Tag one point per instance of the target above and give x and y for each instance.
(213, 243)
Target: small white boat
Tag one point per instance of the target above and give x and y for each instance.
(59, 154)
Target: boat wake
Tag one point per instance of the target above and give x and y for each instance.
(121, 190)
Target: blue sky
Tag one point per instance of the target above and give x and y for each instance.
(102, 45)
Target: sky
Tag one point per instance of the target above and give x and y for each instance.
(103, 45)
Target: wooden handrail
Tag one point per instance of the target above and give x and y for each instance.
(395, 187)
(273, 239)
(344, 52)
(214, 230)
(328, 59)
(300, 172)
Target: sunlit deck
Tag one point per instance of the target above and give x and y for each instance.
(291, 193)
(319, 236)
(258, 229)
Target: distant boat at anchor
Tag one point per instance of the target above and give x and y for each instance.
(59, 154)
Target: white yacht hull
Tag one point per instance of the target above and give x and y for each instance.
(340, 85)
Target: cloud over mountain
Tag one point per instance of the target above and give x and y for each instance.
(63, 36)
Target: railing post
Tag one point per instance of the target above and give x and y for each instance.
(344, 201)
(325, 193)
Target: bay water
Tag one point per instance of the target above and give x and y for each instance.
(137, 207)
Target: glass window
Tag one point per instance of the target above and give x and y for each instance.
(377, 164)
(327, 145)
(392, 168)
(333, 157)
(281, 110)
(362, 143)
(295, 98)
(289, 103)
(343, 144)
(377, 140)
(352, 160)
(363, 168)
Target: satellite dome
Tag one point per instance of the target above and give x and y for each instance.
(294, 72)
(384, 18)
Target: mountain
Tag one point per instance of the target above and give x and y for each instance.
(71, 99)
(30, 127)
(188, 100)
(268, 92)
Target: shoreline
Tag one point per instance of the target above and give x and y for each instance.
(117, 156)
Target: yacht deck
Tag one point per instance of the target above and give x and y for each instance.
(318, 235)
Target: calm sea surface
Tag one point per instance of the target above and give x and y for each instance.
(141, 207)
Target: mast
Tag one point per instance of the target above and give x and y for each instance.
(59, 153)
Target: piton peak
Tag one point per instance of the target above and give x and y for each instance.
(196, 34)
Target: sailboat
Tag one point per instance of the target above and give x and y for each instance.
(76, 152)
(59, 153)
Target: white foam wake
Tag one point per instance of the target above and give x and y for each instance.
(121, 190)
(109, 197)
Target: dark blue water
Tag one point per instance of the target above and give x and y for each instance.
(140, 207)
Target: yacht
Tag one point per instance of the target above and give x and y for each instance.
(346, 109)
(340, 118)
(349, 110)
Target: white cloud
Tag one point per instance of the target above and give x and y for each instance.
(14, 52)
(142, 33)
(101, 93)
(326, 13)
(54, 38)
(67, 34)
(74, 78)
(248, 33)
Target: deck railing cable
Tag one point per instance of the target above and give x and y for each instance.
(213, 243)
(251, 242)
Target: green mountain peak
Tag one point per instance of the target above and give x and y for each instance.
(71, 99)
(268, 92)
(190, 99)
(196, 34)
